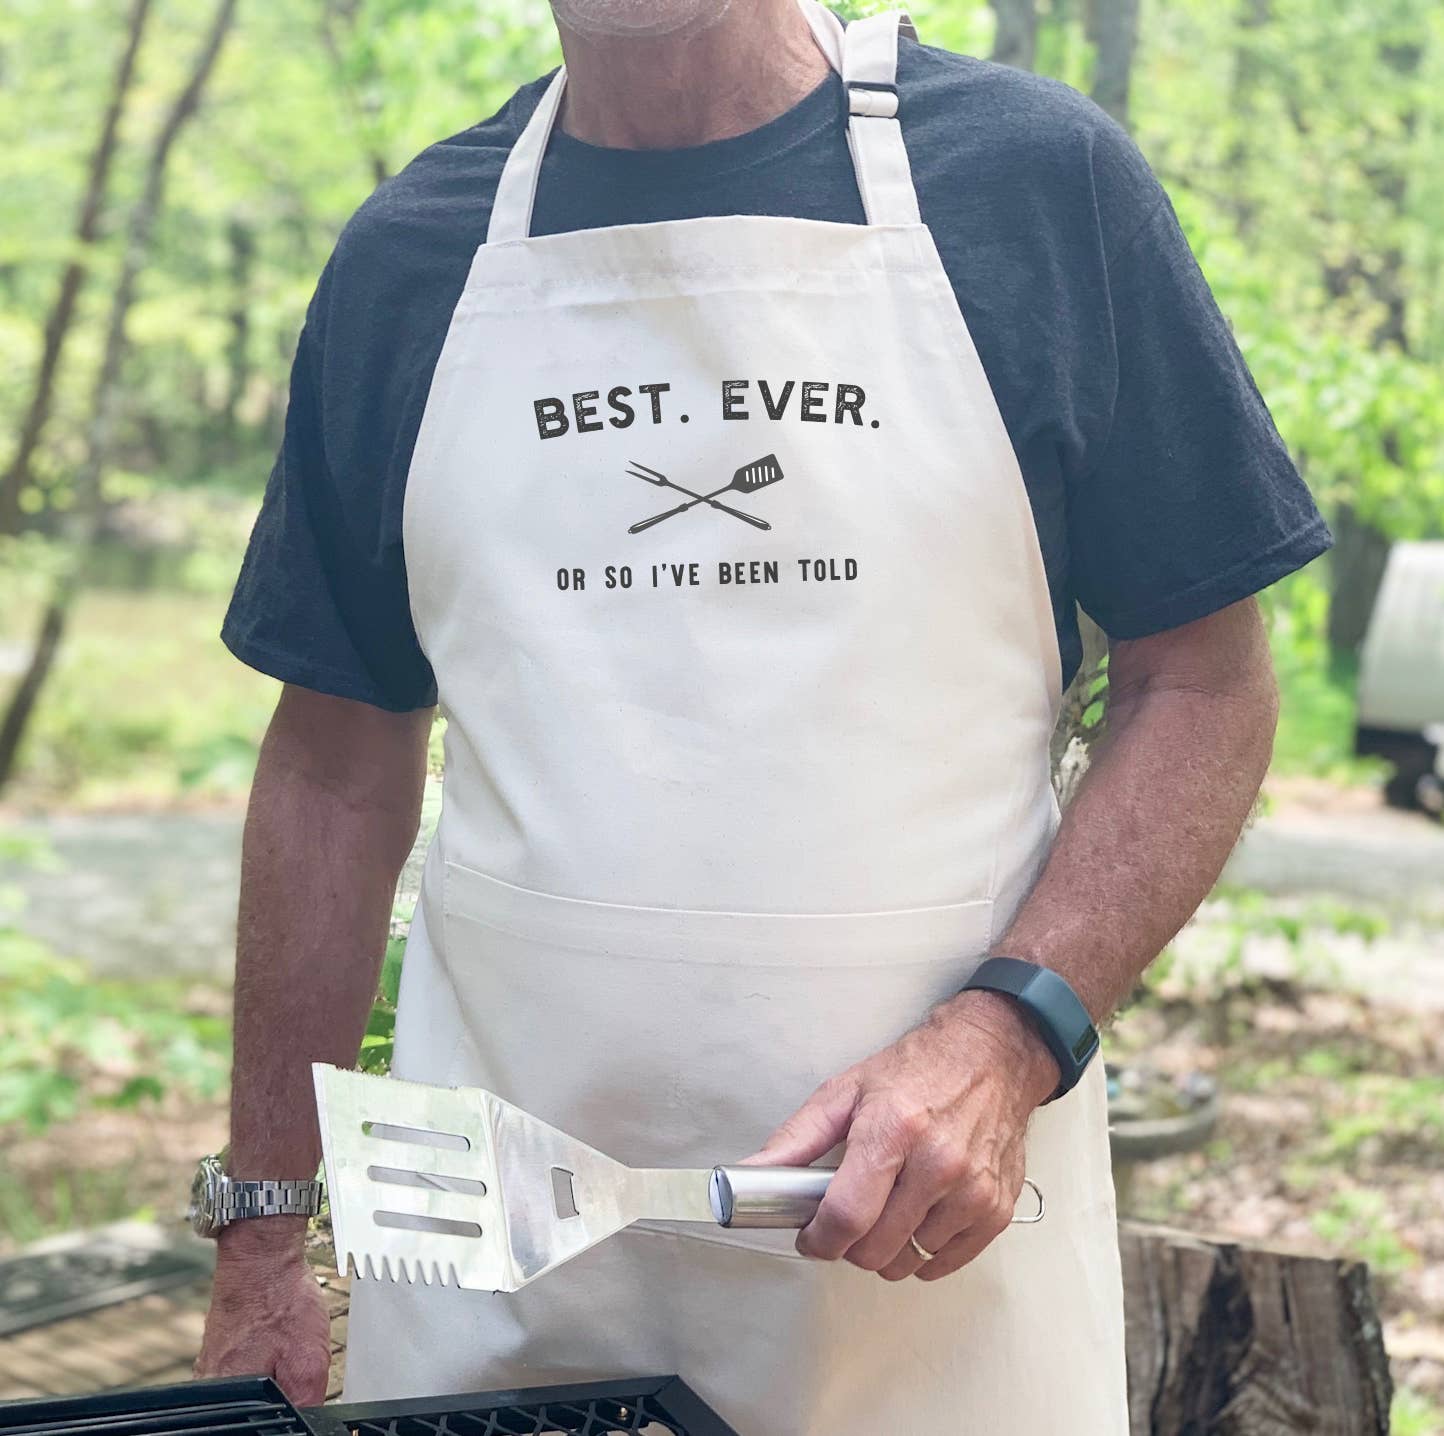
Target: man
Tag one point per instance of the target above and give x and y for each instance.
(727, 429)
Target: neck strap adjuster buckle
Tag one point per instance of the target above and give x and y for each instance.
(874, 99)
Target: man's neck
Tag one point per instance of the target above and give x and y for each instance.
(668, 91)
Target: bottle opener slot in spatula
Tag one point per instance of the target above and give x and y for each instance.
(453, 1185)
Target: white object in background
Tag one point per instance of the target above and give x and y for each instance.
(1401, 676)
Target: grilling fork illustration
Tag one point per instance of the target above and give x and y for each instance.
(756, 475)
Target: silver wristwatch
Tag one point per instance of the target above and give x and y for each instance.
(217, 1199)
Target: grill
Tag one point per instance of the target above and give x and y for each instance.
(656, 1406)
(651, 1406)
(197, 1408)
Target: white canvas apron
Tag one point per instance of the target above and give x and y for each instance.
(731, 801)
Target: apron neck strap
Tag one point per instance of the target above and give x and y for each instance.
(863, 52)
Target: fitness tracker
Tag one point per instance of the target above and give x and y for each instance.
(1052, 1007)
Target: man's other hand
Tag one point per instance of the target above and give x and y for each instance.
(268, 1317)
(934, 1127)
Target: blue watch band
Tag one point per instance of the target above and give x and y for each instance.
(1053, 1008)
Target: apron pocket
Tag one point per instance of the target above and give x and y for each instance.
(678, 1038)
(952, 931)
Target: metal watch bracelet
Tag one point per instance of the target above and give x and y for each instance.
(238, 1200)
(218, 1199)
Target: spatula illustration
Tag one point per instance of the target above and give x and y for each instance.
(756, 475)
(453, 1185)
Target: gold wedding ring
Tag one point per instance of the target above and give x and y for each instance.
(926, 1256)
(920, 1249)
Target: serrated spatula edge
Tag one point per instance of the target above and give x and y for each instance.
(345, 1097)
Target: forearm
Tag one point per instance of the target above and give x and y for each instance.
(326, 835)
(1145, 840)
(1169, 789)
(935, 1124)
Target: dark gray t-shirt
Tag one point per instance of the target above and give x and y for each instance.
(1159, 485)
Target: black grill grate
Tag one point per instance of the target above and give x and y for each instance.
(652, 1406)
(197, 1408)
(657, 1406)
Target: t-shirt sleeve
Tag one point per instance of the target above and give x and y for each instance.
(321, 600)
(1190, 501)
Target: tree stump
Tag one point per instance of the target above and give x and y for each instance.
(1228, 1340)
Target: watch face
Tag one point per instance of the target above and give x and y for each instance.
(205, 1191)
(1086, 1045)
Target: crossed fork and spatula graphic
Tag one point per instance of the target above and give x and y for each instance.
(756, 475)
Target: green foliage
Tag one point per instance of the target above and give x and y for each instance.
(1215, 979)
(144, 702)
(1303, 156)
(65, 1200)
(28, 850)
(1316, 693)
(1374, 1116)
(310, 106)
(1254, 913)
(70, 1040)
(379, 1043)
(1095, 694)
(1391, 1114)
(1413, 1414)
(436, 745)
(1239, 916)
(1356, 1220)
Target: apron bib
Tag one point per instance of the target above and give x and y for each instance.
(720, 551)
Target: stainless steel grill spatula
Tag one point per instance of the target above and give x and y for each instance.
(455, 1186)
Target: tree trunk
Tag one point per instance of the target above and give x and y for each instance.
(1015, 42)
(1237, 1341)
(1249, 78)
(1356, 568)
(342, 14)
(27, 692)
(242, 240)
(85, 518)
(1113, 29)
(72, 279)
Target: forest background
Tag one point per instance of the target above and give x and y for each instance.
(173, 175)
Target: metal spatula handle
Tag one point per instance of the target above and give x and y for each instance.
(768, 1196)
(790, 1196)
